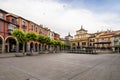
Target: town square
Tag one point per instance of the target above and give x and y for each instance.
(61, 66)
(59, 40)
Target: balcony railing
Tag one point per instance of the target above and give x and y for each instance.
(10, 31)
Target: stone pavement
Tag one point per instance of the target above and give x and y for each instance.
(10, 55)
(7, 55)
(61, 66)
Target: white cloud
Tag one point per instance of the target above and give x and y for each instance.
(60, 17)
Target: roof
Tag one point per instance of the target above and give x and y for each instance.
(13, 15)
(110, 33)
(3, 11)
(69, 35)
(81, 29)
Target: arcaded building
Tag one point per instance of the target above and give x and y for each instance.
(8, 22)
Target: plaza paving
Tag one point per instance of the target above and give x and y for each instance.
(61, 66)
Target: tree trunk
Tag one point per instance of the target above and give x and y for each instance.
(41, 48)
(23, 49)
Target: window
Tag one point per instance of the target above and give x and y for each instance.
(83, 43)
(31, 28)
(11, 26)
(13, 20)
(78, 44)
(24, 23)
(36, 29)
(73, 44)
(1, 15)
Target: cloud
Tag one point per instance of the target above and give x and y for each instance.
(61, 17)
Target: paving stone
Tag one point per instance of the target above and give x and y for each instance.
(62, 66)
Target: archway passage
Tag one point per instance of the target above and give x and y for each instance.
(21, 47)
(10, 45)
(101, 45)
(31, 46)
(39, 47)
(1, 43)
(36, 47)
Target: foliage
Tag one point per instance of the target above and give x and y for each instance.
(31, 36)
(40, 38)
(20, 35)
(48, 41)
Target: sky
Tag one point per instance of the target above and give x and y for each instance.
(64, 16)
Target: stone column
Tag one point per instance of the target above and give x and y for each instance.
(17, 47)
(37, 47)
(33, 47)
(28, 47)
(3, 47)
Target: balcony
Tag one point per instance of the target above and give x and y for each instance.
(102, 42)
(11, 27)
(10, 31)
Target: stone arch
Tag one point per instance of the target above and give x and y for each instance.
(12, 37)
(36, 47)
(11, 44)
(40, 47)
(1, 44)
(2, 38)
(31, 46)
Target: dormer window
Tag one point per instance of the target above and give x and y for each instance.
(1, 15)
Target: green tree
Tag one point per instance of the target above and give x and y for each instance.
(31, 36)
(21, 37)
(48, 42)
(40, 39)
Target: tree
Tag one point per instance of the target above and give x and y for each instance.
(59, 44)
(31, 36)
(40, 39)
(48, 42)
(21, 37)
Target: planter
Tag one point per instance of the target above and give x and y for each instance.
(19, 55)
(29, 54)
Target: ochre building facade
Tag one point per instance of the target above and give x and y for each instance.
(100, 40)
